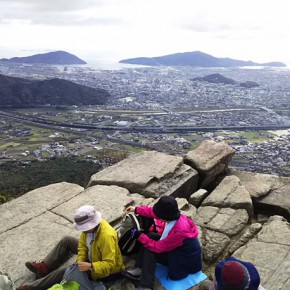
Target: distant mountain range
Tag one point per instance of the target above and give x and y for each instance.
(195, 58)
(18, 92)
(56, 57)
(220, 79)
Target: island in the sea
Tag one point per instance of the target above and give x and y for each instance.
(220, 79)
(197, 59)
(52, 58)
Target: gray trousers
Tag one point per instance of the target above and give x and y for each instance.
(66, 247)
(146, 260)
(72, 273)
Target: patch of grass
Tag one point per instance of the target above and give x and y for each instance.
(97, 134)
(251, 136)
(35, 139)
(254, 137)
(285, 167)
(44, 154)
(132, 149)
(4, 198)
(9, 145)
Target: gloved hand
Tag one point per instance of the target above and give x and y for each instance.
(135, 233)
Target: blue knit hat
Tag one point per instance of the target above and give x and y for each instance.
(234, 274)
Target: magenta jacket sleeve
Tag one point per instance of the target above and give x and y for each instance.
(145, 211)
(166, 245)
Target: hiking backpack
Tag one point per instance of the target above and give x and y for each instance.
(127, 244)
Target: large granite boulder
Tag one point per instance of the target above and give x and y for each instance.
(276, 202)
(270, 193)
(109, 200)
(224, 220)
(31, 240)
(198, 197)
(35, 203)
(260, 184)
(269, 251)
(230, 193)
(210, 159)
(151, 174)
(36, 221)
(213, 245)
(218, 227)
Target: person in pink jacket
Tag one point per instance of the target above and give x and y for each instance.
(178, 247)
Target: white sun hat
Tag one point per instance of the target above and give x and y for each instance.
(86, 218)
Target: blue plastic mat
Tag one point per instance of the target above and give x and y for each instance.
(191, 280)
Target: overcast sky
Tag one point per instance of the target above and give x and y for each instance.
(256, 30)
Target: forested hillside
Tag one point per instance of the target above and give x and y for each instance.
(19, 93)
(16, 179)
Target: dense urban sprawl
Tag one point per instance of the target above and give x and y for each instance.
(157, 98)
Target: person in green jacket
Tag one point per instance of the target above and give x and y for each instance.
(99, 258)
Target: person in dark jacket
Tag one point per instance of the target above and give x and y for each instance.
(234, 274)
(178, 247)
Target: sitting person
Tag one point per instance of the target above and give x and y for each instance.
(178, 247)
(98, 253)
(234, 274)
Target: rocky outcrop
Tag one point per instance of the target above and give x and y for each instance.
(30, 228)
(140, 173)
(230, 193)
(198, 197)
(260, 184)
(210, 159)
(34, 203)
(270, 252)
(111, 200)
(270, 193)
(228, 217)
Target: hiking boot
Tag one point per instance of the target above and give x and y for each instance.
(134, 273)
(39, 268)
(24, 287)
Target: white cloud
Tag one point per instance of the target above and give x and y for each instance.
(116, 29)
(51, 5)
(54, 13)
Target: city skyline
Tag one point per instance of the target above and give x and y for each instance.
(112, 30)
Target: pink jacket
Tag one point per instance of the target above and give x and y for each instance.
(158, 226)
(183, 229)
